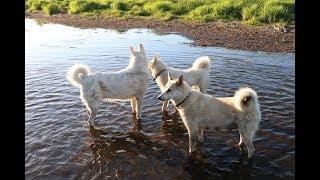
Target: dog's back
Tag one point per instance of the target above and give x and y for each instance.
(214, 112)
(123, 85)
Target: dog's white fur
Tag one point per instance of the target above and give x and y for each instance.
(197, 75)
(130, 83)
(201, 111)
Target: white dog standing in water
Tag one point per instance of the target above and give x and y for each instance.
(200, 111)
(197, 75)
(130, 83)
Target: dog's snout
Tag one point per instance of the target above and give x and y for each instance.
(159, 98)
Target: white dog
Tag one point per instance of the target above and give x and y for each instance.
(197, 75)
(130, 83)
(200, 111)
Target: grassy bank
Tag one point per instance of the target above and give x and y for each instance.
(253, 12)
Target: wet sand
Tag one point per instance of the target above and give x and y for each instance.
(232, 34)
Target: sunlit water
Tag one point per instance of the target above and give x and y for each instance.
(59, 143)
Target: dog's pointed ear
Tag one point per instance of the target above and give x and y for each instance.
(158, 55)
(155, 57)
(131, 50)
(180, 79)
(169, 76)
(142, 49)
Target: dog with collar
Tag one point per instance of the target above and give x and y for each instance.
(197, 75)
(200, 111)
(130, 83)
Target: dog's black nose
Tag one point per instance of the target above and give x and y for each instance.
(159, 98)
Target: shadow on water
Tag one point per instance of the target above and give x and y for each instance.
(136, 155)
(60, 145)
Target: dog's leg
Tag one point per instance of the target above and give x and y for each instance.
(247, 139)
(192, 138)
(203, 87)
(200, 135)
(192, 141)
(93, 109)
(93, 113)
(241, 140)
(164, 107)
(139, 107)
(134, 105)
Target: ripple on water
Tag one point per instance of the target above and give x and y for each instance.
(59, 143)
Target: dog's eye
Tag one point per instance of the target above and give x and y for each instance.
(169, 90)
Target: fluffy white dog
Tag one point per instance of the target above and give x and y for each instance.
(130, 83)
(200, 111)
(197, 75)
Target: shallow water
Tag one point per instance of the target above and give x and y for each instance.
(60, 144)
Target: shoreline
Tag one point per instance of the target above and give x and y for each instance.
(232, 34)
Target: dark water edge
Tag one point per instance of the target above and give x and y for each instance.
(59, 143)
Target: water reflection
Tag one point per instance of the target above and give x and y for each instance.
(60, 145)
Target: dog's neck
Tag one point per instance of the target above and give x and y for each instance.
(159, 74)
(162, 78)
(179, 102)
(140, 65)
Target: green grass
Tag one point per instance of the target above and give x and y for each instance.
(252, 12)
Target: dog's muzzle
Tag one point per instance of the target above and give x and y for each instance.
(159, 98)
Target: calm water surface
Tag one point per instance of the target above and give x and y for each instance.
(60, 145)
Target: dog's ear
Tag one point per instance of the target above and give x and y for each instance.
(142, 49)
(131, 50)
(180, 79)
(155, 57)
(169, 76)
(158, 55)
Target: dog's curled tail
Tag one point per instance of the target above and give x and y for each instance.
(246, 99)
(202, 62)
(76, 72)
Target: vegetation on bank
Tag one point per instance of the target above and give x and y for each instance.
(249, 11)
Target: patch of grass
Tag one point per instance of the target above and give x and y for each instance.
(278, 11)
(81, 6)
(201, 14)
(159, 6)
(252, 12)
(253, 21)
(51, 8)
(227, 9)
(120, 5)
(39, 22)
(185, 6)
(35, 4)
(138, 11)
(249, 12)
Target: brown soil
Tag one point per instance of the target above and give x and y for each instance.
(232, 34)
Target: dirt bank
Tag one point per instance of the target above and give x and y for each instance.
(233, 35)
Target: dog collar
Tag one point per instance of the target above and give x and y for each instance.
(177, 105)
(159, 73)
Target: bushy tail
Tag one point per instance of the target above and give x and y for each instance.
(75, 73)
(202, 62)
(246, 99)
